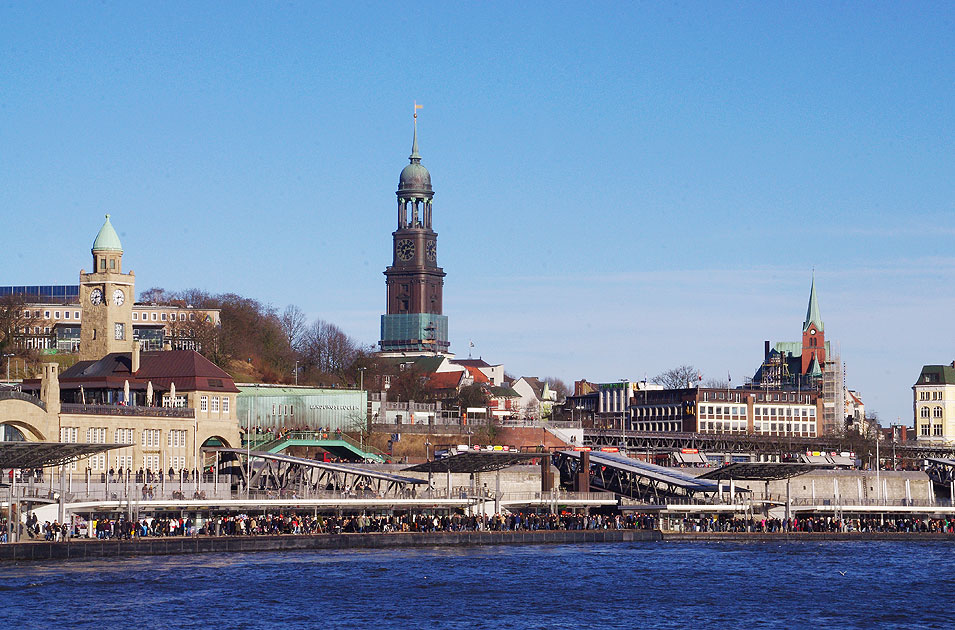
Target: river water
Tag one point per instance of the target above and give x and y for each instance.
(639, 585)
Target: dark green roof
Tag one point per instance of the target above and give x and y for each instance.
(937, 375)
(504, 391)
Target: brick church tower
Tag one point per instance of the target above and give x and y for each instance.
(813, 336)
(414, 323)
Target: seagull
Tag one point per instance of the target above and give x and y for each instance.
(842, 573)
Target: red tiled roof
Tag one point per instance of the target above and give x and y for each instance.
(477, 375)
(445, 380)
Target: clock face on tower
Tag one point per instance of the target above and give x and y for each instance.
(118, 297)
(96, 297)
(405, 249)
(432, 251)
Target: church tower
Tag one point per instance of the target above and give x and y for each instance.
(813, 336)
(106, 296)
(414, 281)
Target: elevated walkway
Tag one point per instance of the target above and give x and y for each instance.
(337, 444)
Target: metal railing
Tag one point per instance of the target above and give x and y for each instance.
(121, 410)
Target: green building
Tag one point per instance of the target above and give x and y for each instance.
(304, 408)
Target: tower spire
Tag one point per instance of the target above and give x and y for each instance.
(812, 313)
(415, 157)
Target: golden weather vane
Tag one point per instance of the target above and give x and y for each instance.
(416, 108)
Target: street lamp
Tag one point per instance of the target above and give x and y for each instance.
(8, 364)
(361, 377)
(296, 372)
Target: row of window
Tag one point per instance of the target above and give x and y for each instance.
(768, 412)
(657, 426)
(162, 317)
(46, 314)
(211, 403)
(151, 438)
(934, 430)
(931, 396)
(928, 412)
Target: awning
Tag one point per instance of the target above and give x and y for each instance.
(690, 458)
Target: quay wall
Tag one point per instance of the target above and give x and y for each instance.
(82, 549)
(671, 536)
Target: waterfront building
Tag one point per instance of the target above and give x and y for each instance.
(100, 315)
(775, 412)
(933, 401)
(165, 406)
(536, 398)
(414, 322)
(264, 407)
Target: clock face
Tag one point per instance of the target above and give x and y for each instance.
(405, 249)
(96, 296)
(812, 331)
(432, 250)
(119, 297)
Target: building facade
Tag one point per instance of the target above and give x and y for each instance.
(99, 315)
(414, 321)
(934, 404)
(728, 411)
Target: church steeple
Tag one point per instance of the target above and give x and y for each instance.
(414, 321)
(812, 313)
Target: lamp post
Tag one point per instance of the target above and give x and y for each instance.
(361, 378)
(8, 365)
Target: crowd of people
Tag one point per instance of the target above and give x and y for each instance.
(818, 524)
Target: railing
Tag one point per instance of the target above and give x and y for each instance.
(12, 394)
(121, 410)
(270, 442)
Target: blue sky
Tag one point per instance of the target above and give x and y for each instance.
(620, 188)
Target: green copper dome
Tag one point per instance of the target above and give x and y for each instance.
(414, 177)
(107, 240)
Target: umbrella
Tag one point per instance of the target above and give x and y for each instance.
(126, 392)
(172, 394)
(149, 394)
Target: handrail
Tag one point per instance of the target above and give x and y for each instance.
(121, 410)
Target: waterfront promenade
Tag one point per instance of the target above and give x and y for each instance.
(88, 549)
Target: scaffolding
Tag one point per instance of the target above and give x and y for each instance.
(833, 396)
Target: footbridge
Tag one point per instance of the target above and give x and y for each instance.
(613, 472)
(337, 444)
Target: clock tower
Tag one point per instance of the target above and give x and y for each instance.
(106, 296)
(414, 281)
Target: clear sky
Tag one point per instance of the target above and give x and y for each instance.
(620, 187)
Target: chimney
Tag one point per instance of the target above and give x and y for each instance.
(135, 358)
(50, 387)
(766, 350)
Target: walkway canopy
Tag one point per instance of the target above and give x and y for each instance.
(43, 454)
(634, 478)
(476, 462)
(759, 471)
(303, 476)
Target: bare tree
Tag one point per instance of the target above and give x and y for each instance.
(678, 377)
(716, 383)
(558, 386)
(155, 295)
(11, 321)
(293, 325)
(326, 348)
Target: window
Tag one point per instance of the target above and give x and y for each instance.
(56, 314)
(937, 430)
(119, 330)
(176, 438)
(154, 317)
(937, 413)
(151, 438)
(76, 314)
(182, 317)
(215, 404)
(135, 316)
(203, 403)
(112, 263)
(123, 436)
(924, 430)
(66, 314)
(69, 434)
(163, 317)
(46, 314)
(96, 435)
(225, 404)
